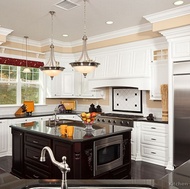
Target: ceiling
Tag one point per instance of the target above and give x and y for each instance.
(32, 18)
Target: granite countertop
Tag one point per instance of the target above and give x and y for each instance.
(177, 179)
(155, 120)
(81, 133)
(37, 114)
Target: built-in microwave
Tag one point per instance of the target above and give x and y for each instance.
(107, 154)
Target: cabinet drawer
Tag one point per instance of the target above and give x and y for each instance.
(154, 127)
(37, 141)
(159, 140)
(32, 156)
(153, 152)
(35, 173)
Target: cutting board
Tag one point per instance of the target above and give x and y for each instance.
(69, 105)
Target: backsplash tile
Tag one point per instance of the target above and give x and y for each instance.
(127, 100)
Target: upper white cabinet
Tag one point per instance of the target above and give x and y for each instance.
(125, 66)
(159, 73)
(181, 48)
(124, 63)
(61, 85)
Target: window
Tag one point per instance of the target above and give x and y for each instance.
(16, 86)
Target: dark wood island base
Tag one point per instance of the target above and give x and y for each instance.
(28, 142)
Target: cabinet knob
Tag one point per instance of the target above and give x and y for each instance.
(153, 139)
(35, 142)
(35, 157)
(36, 176)
(153, 152)
(153, 128)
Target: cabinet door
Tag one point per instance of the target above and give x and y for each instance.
(140, 63)
(67, 84)
(159, 76)
(3, 137)
(125, 64)
(181, 48)
(61, 149)
(18, 153)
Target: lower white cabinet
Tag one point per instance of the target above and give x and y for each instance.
(3, 137)
(154, 142)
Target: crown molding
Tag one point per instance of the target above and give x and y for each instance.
(4, 31)
(176, 32)
(22, 40)
(168, 14)
(116, 34)
(47, 42)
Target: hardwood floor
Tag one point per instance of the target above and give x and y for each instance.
(139, 170)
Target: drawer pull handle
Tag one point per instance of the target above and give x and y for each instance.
(35, 142)
(153, 152)
(36, 176)
(153, 128)
(153, 139)
(35, 157)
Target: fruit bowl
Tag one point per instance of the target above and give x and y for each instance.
(88, 118)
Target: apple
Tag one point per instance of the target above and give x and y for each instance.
(84, 118)
(83, 114)
(93, 114)
(88, 120)
(88, 115)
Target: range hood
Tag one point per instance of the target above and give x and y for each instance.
(142, 83)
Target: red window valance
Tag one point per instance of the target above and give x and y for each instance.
(20, 62)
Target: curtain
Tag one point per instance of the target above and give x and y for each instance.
(20, 62)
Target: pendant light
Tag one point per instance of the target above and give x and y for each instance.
(84, 65)
(26, 69)
(52, 67)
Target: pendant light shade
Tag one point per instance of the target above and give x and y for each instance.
(52, 67)
(84, 65)
(26, 69)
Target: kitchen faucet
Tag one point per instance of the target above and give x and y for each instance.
(55, 116)
(63, 166)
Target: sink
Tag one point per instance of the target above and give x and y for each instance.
(94, 187)
(51, 123)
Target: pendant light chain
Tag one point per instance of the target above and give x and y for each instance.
(84, 17)
(26, 37)
(52, 13)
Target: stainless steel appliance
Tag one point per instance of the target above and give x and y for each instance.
(107, 154)
(181, 77)
(117, 119)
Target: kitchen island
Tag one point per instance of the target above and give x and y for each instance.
(30, 138)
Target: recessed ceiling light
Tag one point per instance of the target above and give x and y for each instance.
(65, 35)
(179, 2)
(109, 22)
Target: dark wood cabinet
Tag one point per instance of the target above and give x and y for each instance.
(18, 153)
(27, 148)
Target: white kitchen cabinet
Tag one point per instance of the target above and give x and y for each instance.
(154, 143)
(124, 63)
(133, 144)
(159, 73)
(181, 48)
(159, 76)
(3, 137)
(61, 85)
